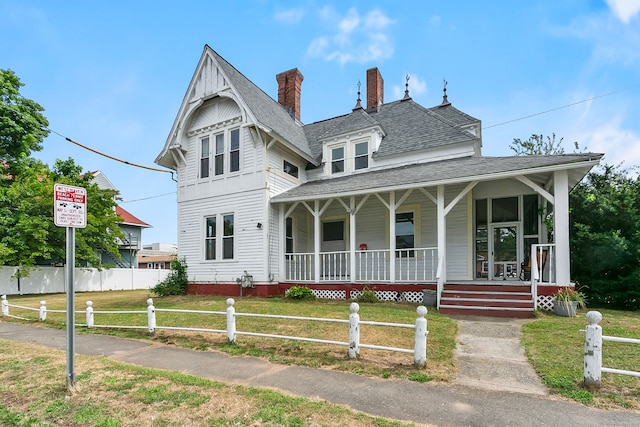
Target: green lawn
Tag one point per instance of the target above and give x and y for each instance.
(554, 345)
(555, 348)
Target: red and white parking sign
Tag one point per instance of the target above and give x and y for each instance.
(70, 206)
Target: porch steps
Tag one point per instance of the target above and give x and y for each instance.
(492, 300)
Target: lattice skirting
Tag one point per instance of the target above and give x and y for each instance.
(329, 294)
(545, 302)
(393, 296)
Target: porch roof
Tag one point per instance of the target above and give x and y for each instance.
(452, 171)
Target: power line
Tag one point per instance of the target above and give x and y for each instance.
(111, 157)
(146, 198)
(564, 106)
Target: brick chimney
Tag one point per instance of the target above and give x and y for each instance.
(375, 89)
(289, 86)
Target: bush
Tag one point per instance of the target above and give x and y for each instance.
(176, 281)
(367, 295)
(300, 292)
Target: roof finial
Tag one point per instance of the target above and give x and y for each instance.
(445, 101)
(358, 105)
(406, 87)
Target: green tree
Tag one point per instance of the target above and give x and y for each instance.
(538, 145)
(605, 237)
(28, 236)
(22, 125)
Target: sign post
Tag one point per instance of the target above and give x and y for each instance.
(70, 211)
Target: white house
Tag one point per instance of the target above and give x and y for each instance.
(390, 196)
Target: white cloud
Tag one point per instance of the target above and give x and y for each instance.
(624, 10)
(619, 145)
(353, 37)
(289, 16)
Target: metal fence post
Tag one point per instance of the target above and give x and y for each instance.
(420, 350)
(593, 350)
(151, 316)
(43, 311)
(89, 314)
(5, 306)
(354, 330)
(231, 321)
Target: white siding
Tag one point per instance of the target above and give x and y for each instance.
(458, 245)
(248, 211)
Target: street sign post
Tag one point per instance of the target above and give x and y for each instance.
(70, 211)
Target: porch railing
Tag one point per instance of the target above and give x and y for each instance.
(411, 265)
(543, 267)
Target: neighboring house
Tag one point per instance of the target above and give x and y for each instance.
(130, 226)
(157, 256)
(390, 196)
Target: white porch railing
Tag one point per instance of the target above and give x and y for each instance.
(543, 268)
(411, 265)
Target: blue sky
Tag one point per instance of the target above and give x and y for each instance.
(111, 75)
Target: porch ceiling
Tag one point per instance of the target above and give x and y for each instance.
(452, 171)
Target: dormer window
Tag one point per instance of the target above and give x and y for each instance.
(361, 157)
(337, 159)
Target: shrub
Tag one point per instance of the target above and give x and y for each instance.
(176, 281)
(367, 295)
(300, 292)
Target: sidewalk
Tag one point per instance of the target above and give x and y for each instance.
(471, 401)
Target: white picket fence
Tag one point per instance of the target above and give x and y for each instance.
(48, 280)
(593, 351)
(419, 350)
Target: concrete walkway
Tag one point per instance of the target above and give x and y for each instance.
(490, 356)
(472, 401)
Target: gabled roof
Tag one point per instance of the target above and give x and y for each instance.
(130, 219)
(450, 171)
(262, 110)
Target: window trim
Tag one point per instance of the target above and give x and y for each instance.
(219, 238)
(356, 156)
(203, 157)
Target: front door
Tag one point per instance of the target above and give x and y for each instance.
(504, 254)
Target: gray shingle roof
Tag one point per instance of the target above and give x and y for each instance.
(434, 173)
(407, 126)
(266, 110)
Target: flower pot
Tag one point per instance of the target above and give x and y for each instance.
(429, 298)
(565, 308)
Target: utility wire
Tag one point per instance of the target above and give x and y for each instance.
(146, 198)
(111, 157)
(564, 106)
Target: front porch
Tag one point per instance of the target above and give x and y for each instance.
(345, 274)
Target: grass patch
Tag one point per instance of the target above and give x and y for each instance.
(120, 395)
(554, 345)
(442, 330)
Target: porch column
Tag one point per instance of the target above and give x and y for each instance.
(561, 227)
(317, 233)
(392, 236)
(352, 238)
(282, 245)
(442, 242)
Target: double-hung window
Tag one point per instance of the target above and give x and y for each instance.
(234, 151)
(361, 155)
(215, 248)
(337, 159)
(210, 238)
(204, 157)
(219, 154)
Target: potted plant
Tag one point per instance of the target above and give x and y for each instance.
(567, 300)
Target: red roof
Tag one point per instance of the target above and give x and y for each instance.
(128, 218)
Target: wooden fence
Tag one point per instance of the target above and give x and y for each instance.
(419, 349)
